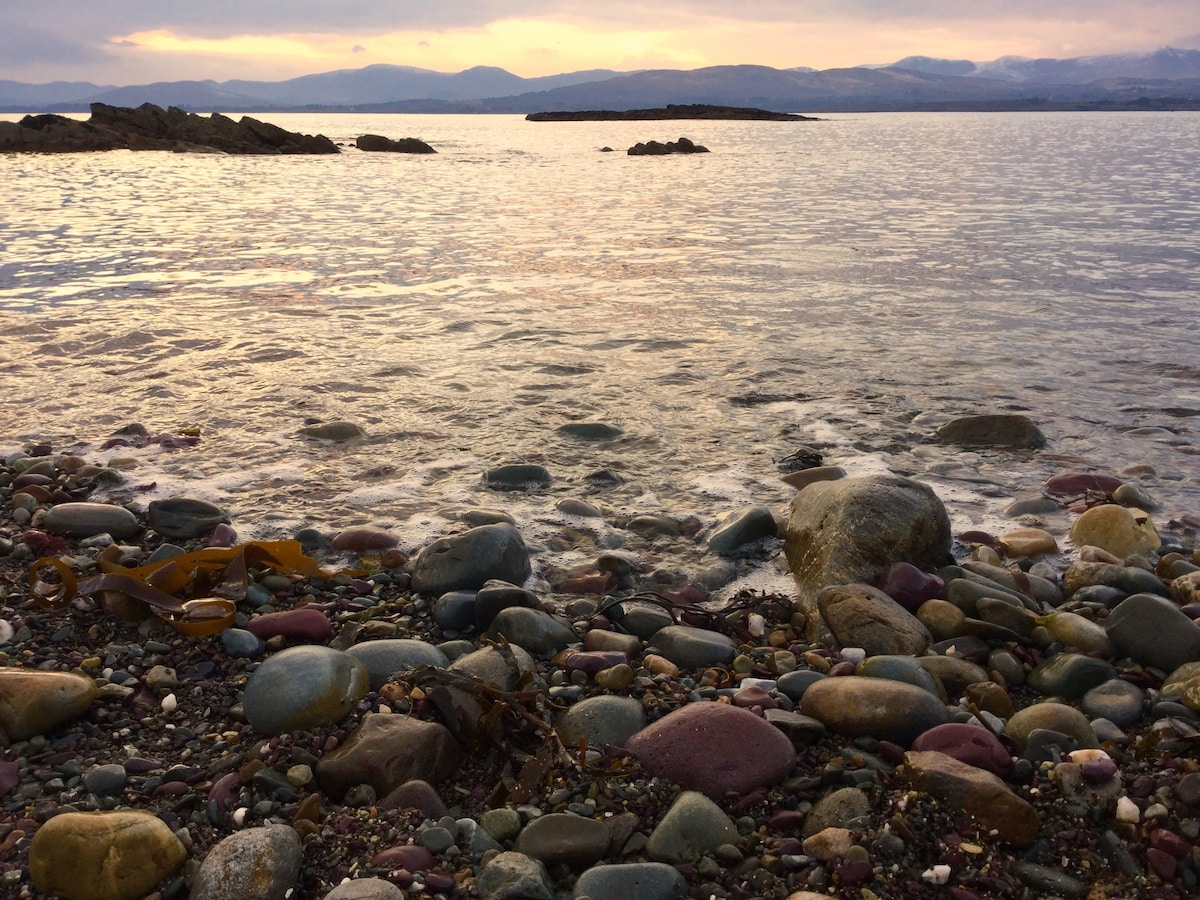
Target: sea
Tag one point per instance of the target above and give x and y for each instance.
(844, 285)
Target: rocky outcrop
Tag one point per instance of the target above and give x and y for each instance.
(656, 148)
(377, 143)
(150, 127)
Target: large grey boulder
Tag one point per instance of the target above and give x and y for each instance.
(466, 561)
(1010, 430)
(850, 531)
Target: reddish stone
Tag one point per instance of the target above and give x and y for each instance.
(406, 856)
(786, 821)
(854, 873)
(1169, 842)
(597, 583)
(223, 536)
(714, 748)
(1162, 863)
(970, 744)
(10, 777)
(1082, 483)
(364, 538)
(303, 624)
(593, 661)
(749, 697)
(416, 794)
(909, 586)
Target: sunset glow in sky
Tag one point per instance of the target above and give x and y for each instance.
(140, 41)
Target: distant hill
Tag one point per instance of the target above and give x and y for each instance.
(1166, 78)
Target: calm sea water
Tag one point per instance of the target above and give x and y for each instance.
(846, 284)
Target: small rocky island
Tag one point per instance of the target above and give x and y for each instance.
(657, 148)
(670, 111)
(150, 127)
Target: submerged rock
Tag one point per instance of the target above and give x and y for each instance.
(377, 143)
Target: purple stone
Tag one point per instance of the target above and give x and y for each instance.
(1169, 842)
(593, 661)
(1082, 483)
(909, 586)
(304, 624)
(1098, 771)
(1162, 863)
(10, 777)
(748, 697)
(970, 744)
(405, 856)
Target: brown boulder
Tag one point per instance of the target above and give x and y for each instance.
(981, 795)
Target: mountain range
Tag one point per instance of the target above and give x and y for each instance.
(1165, 78)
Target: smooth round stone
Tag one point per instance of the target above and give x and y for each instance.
(1052, 717)
(878, 707)
(572, 506)
(469, 560)
(1154, 631)
(385, 658)
(105, 781)
(303, 687)
(366, 889)
(455, 611)
(121, 855)
(534, 629)
(517, 477)
(83, 520)
(793, 684)
(644, 881)
(1069, 483)
(33, 702)
(909, 586)
(564, 838)
(1010, 668)
(258, 862)
(714, 748)
(1121, 531)
(943, 619)
(1070, 675)
(843, 808)
(692, 827)
(971, 744)
(511, 875)
(601, 720)
(642, 620)
(184, 518)
(502, 824)
(1031, 506)
(899, 668)
(1027, 542)
(387, 751)
(497, 595)
(992, 430)
(302, 624)
(693, 648)
(859, 615)
(590, 431)
(954, 673)
(616, 678)
(242, 644)
(736, 529)
(363, 539)
(405, 856)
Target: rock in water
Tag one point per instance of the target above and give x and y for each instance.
(104, 855)
(1121, 531)
(377, 143)
(465, 561)
(184, 517)
(993, 430)
(851, 531)
(303, 687)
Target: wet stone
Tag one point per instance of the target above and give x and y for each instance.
(886, 710)
(564, 838)
(536, 630)
(1049, 880)
(303, 687)
(82, 520)
(1117, 701)
(645, 881)
(692, 827)
(384, 658)
(1053, 717)
(1154, 631)
(693, 648)
(242, 644)
(1070, 675)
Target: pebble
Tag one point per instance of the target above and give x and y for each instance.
(535, 630)
(1070, 675)
(256, 864)
(693, 648)
(601, 720)
(366, 889)
(978, 793)
(467, 561)
(644, 881)
(692, 827)
(183, 518)
(1153, 631)
(1122, 532)
(971, 744)
(1052, 717)
(384, 658)
(564, 838)
(303, 687)
(82, 520)
(34, 702)
(859, 615)
(302, 624)
(1117, 701)
(736, 529)
(885, 709)
(385, 751)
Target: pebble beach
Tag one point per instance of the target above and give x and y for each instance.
(936, 711)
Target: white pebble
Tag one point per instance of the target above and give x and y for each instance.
(239, 816)
(854, 654)
(169, 703)
(1081, 756)
(938, 874)
(6, 631)
(1127, 810)
(756, 624)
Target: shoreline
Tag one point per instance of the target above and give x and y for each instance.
(170, 711)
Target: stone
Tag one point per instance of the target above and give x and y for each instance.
(382, 659)
(794, 684)
(802, 479)
(514, 876)
(34, 702)
(657, 148)
(121, 855)
(600, 721)
(105, 781)
(640, 619)
(242, 644)
(564, 838)
(802, 731)
(851, 531)
(517, 477)
(1051, 716)
(909, 586)
(941, 618)
(83, 520)
(366, 889)
(1049, 881)
(970, 744)
(899, 668)
(466, 561)
(1070, 675)
(978, 793)
(533, 629)
(741, 527)
(338, 432)
(417, 794)
(363, 539)
(953, 673)
(455, 611)
(644, 881)
(829, 843)
(304, 623)
(859, 615)
(1185, 589)
(692, 827)
(303, 687)
(1027, 542)
(1008, 430)
(886, 710)
(495, 596)
(376, 143)
(461, 709)
(184, 518)
(386, 751)
(590, 431)
(1154, 631)
(714, 748)
(693, 648)
(846, 807)
(1121, 531)
(255, 864)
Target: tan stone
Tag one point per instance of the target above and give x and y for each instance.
(981, 795)
(104, 855)
(34, 702)
(1186, 588)
(1121, 531)
(828, 843)
(1028, 542)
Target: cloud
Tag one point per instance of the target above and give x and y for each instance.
(358, 48)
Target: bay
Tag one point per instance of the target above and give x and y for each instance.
(847, 284)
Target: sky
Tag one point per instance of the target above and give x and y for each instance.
(122, 42)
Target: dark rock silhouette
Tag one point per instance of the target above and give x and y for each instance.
(377, 143)
(656, 148)
(150, 127)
